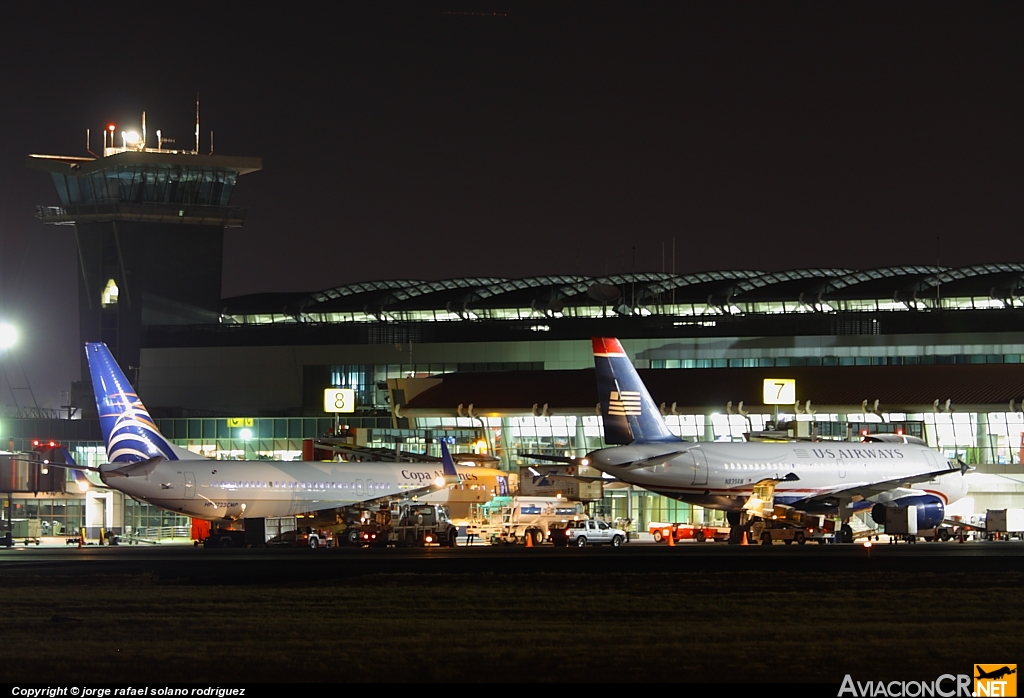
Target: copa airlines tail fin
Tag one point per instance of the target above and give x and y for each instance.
(629, 413)
(128, 431)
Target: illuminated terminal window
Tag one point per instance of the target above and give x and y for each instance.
(109, 295)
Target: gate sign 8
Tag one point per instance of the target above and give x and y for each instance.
(779, 391)
(339, 400)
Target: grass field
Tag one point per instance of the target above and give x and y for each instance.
(747, 627)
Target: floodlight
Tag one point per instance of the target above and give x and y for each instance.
(8, 336)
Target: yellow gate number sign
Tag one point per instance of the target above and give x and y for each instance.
(779, 391)
(339, 400)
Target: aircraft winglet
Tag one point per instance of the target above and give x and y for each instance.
(450, 474)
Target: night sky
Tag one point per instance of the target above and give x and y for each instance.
(435, 140)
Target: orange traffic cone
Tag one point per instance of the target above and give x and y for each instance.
(743, 540)
(529, 539)
(671, 539)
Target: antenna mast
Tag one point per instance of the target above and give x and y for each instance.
(197, 123)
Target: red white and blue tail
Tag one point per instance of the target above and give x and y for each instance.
(630, 414)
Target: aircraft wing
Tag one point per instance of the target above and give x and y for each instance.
(658, 459)
(864, 490)
(553, 476)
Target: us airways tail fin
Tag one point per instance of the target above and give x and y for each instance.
(630, 414)
(128, 431)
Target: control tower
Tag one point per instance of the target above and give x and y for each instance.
(149, 225)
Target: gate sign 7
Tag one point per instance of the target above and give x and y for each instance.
(339, 400)
(779, 391)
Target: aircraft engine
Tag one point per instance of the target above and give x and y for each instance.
(930, 510)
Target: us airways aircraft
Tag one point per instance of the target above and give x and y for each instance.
(144, 465)
(821, 477)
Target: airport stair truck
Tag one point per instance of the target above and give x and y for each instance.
(791, 525)
(762, 520)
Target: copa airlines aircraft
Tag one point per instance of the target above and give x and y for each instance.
(822, 477)
(144, 465)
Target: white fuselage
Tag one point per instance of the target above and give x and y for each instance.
(214, 490)
(722, 475)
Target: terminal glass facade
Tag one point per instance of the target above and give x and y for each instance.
(985, 438)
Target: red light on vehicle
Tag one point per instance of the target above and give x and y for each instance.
(864, 432)
(900, 432)
(110, 127)
(35, 443)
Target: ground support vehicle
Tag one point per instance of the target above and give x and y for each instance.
(590, 532)
(939, 533)
(420, 525)
(514, 520)
(27, 530)
(400, 524)
(680, 532)
(224, 538)
(901, 524)
(792, 526)
(1004, 524)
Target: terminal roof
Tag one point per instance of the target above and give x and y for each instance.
(805, 287)
(696, 391)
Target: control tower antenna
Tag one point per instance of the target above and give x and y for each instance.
(197, 123)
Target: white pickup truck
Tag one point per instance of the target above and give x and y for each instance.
(582, 533)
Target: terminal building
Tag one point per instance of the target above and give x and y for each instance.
(506, 363)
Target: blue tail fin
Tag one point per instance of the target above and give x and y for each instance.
(128, 431)
(629, 413)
